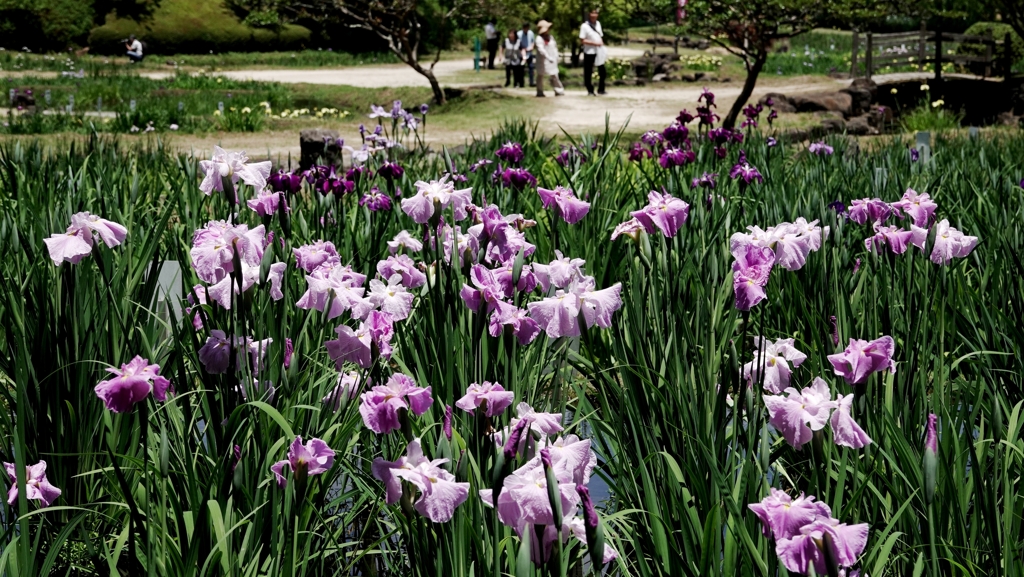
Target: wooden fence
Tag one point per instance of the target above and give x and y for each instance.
(873, 51)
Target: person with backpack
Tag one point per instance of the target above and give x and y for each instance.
(526, 42)
(514, 58)
(134, 49)
(594, 53)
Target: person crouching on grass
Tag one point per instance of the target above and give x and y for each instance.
(547, 59)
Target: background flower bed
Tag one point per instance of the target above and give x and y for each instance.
(659, 390)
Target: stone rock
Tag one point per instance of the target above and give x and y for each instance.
(651, 64)
(689, 77)
(797, 135)
(866, 84)
(319, 146)
(699, 75)
(862, 125)
(833, 125)
(670, 78)
(710, 79)
(659, 77)
(641, 82)
(1008, 119)
(726, 79)
(830, 101)
(660, 41)
(780, 102)
(618, 82)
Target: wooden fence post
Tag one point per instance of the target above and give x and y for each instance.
(938, 55)
(989, 43)
(922, 38)
(853, 54)
(868, 57)
(1007, 58)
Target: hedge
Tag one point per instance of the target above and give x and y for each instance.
(193, 27)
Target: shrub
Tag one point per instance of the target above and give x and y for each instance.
(49, 24)
(190, 27)
(999, 31)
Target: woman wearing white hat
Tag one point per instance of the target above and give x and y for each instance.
(547, 59)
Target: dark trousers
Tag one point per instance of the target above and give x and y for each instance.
(530, 64)
(492, 49)
(588, 72)
(517, 76)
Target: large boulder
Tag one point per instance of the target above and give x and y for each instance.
(862, 93)
(650, 64)
(862, 125)
(319, 146)
(780, 102)
(823, 101)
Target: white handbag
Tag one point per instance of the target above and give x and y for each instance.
(602, 56)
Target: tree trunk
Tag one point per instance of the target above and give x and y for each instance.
(748, 89)
(439, 97)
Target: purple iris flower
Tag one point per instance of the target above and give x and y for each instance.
(706, 180)
(511, 152)
(638, 152)
(282, 181)
(708, 97)
(375, 200)
(480, 164)
(423, 109)
(518, 178)
(676, 157)
(746, 173)
(820, 148)
(685, 117)
(861, 358)
(390, 171)
(675, 134)
(313, 458)
(915, 155)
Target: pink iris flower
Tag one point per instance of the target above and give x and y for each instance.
(487, 293)
(950, 243)
(663, 212)
(313, 458)
(897, 239)
(782, 516)
(861, 358)
(797, 414)
(558, 314)
(918, 206)
(412, 277)
(335, 290)
(36, 486)
(380, 405)
(309, 256)
(751, 270)
(131, 384)
(800, 552)
(559, 273)
(567, 206)
(523, 327)
(358, 346)
(77, 241)
(266, 202)
(866, 210)
(771, 362)
(233, 165)
(276, 276)
(790, 242)
(215, 245)
(492, 398)
(215, 354)
(799, 527)
(846, 431)
(439, 493)
(348, 386)
(391, 298)
(631, 228)
(404, 240)
(435, 196)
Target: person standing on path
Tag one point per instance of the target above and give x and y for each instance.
(491, 33)
(547, 60)
(526, 41)
(594, 53)
(513, 57)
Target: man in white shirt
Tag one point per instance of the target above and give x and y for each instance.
(491, 33)
(134, 49)
(526, 41)
(547, 59)
(592, 38)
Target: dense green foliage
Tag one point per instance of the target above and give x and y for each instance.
(683, 447)
(190, 27)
